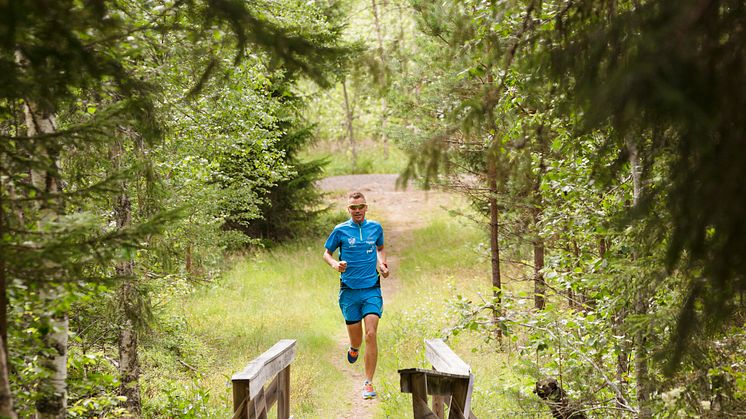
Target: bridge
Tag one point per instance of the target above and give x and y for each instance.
(265, 381)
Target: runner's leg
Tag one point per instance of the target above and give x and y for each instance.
(355, 332)
(371, 345)
(351, 308)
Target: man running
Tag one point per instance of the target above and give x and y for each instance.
(361, 257)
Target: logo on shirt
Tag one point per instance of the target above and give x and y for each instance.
(351, 240)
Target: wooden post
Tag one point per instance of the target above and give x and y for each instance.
(461, 398)
(240, 394)
(260, 406)
(419, 397)
(283, 400)
(438, 406)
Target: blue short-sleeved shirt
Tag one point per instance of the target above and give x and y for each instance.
(357, 245)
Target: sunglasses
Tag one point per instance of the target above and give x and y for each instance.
(357, 206)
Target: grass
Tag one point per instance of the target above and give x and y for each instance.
(290, 293)
(287, 293)
(443, 262)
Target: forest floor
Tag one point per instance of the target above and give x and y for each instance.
(401, 212)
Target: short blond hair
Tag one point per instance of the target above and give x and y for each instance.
(355, 195)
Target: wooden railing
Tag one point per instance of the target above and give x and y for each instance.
(250, 398)
(450, 383)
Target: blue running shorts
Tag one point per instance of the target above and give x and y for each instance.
(358, 303)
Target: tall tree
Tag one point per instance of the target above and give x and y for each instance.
(52, 402)
(349, 123)
(669, 68)
(128, 351)
(70, 50)
(381, 52)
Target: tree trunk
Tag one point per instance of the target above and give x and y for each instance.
(494, 243)
(642, 376)
(384, 125)
(538, 243)
(129, 369)
(52, 401)
(401, 43)
(3, 281)
(188, 259)
(129, 366)
(382, 58)
(6, 398)
(349, 118)
(539, 284)
(622, 359)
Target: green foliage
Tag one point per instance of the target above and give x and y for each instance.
(370, 158)
(94, 384)
(221, 327)
(369, 77)
(291, 205)
(602, 143)
(662, 74)
(161, 122)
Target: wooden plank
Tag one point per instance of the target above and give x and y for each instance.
(240, 395)
(266, 366)
(471, 414)
(271, 393)
(461, 400)
(251, 410)
(438, 383)
(240, 412)
(438, 409)
(283, 402)
(444, 359)
(260, 406)
(432, 373)
(418, 382)
(467, 400)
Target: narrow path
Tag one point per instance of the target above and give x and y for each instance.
(401, 212)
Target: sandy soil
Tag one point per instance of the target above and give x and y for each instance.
(400, 212)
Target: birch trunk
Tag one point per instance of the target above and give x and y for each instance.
(129, 368)
(349, 118)
(52, 402)
(382, 58)
(642, 377)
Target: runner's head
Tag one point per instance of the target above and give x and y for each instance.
(356, 206)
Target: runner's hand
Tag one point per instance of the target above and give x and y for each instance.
(384, 268)
(340, 266)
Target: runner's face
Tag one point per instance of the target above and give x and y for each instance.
(357, 208)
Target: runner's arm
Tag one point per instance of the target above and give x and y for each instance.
(383, 266)
(329, 259)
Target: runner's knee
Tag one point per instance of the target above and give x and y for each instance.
(370, 335)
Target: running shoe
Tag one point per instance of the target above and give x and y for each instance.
(368, 392)
(352, 354)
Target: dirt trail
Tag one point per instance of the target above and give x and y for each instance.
(400, 212)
